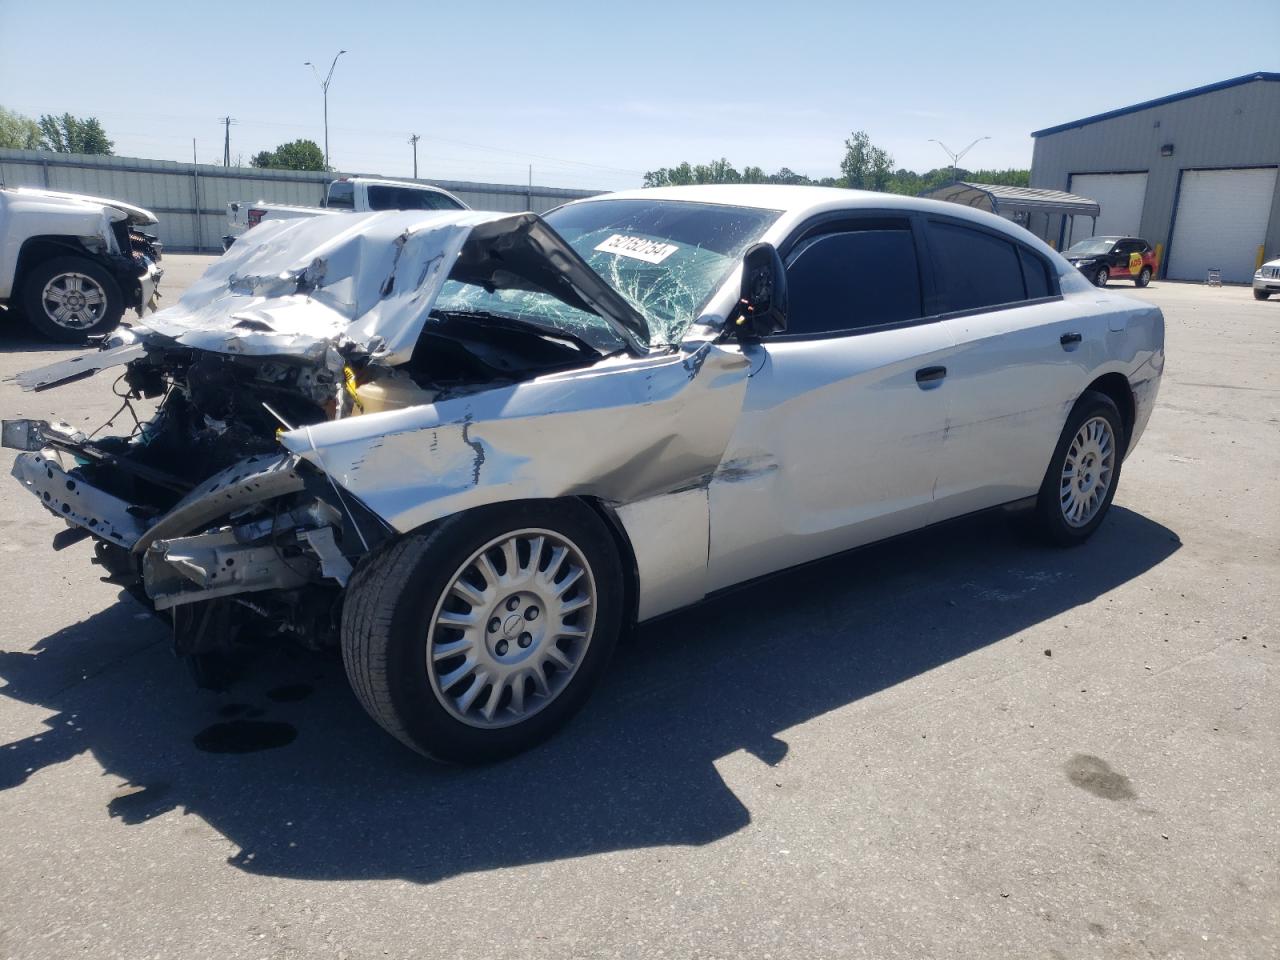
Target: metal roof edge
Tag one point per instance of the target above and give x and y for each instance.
(1160, 101)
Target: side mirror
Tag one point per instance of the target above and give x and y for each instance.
(762, 304)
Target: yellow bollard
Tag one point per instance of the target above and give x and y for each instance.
(1262, 255)
(1159, 255)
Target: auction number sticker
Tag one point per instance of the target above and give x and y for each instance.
(637, 248)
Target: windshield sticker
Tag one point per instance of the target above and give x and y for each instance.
(637, 248)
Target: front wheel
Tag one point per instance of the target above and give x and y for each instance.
(70, 299)
(1261, 294)
(482, 635)
(1101, 277)
(1080, 482)
(1144, 277)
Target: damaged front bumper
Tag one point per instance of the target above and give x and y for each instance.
(249, 528)
(149, 290)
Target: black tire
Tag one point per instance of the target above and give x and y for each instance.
(1049, 519)
(37, 311)
(1261, 294)
(1101, 277)
(393, 595)
(1144, 277)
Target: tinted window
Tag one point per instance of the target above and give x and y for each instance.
(406, 198)
(1035, 273)
(838, 282)
(974, 269)
(342, 194)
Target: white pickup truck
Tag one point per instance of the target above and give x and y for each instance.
(351, 194)
(72, 264)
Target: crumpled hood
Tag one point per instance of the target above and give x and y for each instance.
(295, 287)
(135, 215)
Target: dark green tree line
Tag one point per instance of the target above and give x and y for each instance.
(864, 166)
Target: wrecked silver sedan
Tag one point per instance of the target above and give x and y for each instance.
(473, 449)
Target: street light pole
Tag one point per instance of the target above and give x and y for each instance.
(956, 157)
(324, 86)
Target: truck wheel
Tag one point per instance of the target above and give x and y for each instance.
(480, 636)
(1144, 277)
(70, 299)
(1080, 482)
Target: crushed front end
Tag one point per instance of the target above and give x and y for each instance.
(198, 510)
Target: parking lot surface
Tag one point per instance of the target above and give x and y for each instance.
(960, 744)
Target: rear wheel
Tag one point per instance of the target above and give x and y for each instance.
(1080, 482)
(70, 299)
(1261, 294)
(1144, 277)
(481, 636)
(1101, 277)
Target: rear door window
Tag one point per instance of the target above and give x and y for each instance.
(406, 198)
(1035, 274)
(342, 195)
(974, 269)
(853, 278)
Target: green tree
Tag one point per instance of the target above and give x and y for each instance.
(865, 166)
(722, 171)
(68, 134)
(18, 132)
(298, 155)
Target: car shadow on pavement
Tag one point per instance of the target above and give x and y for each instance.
(18, 336)
(342, 800)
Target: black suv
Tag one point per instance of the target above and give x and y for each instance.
(1111, 258)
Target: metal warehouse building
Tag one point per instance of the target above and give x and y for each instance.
(1194, 173)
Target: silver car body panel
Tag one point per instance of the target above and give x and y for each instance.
(622, 430)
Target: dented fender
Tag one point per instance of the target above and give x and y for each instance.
(623, 430)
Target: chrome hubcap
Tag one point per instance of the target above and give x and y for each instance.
(511, 629)
(74, 300)
(1087, 472)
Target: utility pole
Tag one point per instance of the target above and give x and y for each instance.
(324, 86)
(226, 140)
(413, 139)
(956, 157)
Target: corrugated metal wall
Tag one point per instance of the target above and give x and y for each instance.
(1234, 127)
(175, 191)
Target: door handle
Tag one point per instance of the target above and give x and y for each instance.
(1069, 338)
(930, 375)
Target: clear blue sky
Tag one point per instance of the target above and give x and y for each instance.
(593, 94)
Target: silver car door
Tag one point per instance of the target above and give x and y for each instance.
(842, 424)
(1022, 358)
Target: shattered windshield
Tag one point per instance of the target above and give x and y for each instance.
(666, 257)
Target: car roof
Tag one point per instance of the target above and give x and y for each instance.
(796, 204)
(770, 196)
(379, 182)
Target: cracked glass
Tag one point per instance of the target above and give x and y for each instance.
(666, 257)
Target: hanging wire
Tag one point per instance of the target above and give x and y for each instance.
(126, 405)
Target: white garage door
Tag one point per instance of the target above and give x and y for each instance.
(1221, 221)
(1120, 195)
